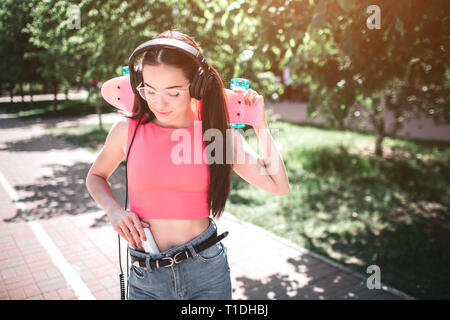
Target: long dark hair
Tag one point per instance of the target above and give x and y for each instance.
(211, 110)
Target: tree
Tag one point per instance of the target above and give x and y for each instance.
(15, 66)
(282, 30)
(49, 34)
(403, 66)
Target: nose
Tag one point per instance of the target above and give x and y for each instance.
(159, 101)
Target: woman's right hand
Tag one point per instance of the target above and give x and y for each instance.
(128, 225)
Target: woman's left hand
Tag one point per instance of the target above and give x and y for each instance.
(250, 97)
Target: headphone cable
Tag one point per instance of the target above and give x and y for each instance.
(121, 275)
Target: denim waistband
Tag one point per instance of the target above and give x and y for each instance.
(212, 228)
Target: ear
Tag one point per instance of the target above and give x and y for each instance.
(196, 108)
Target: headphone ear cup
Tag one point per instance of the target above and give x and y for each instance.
(135, 78)
(200, 83)
(196, 85)
(205, 82)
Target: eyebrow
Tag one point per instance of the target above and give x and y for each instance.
(164, 89)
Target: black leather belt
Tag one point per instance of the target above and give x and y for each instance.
(180, 256)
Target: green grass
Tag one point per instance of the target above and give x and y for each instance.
(347, 204)
(90, 137)
(358, 209)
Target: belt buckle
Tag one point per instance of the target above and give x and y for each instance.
(172, 260)
(166, 258)
(175, 257)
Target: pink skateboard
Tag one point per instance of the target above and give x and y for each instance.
(241, 113)
(117, 92)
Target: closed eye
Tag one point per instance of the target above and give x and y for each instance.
(173, 93)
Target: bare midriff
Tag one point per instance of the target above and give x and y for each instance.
(173, 233)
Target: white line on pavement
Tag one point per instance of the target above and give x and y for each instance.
(72, 278)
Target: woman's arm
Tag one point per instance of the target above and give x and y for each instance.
(267, 172)
(272, 159)
(124, 222)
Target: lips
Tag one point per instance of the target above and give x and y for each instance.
(163, 113)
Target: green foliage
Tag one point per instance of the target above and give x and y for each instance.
(403, 66)
(321, 44)
(16, 65)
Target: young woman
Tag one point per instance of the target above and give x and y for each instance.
(176, 200)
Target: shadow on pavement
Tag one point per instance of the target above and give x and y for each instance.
(63, 193)
(311, 280)
(41, 143)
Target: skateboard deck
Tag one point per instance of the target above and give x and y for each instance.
(117, 92)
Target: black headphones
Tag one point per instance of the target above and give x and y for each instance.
(201, 79)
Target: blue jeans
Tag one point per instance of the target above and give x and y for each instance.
(206, 275)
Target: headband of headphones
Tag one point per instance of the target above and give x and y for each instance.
(135, 72)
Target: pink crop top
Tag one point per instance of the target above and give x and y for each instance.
(159, 186)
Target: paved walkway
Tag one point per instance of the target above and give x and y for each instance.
(55, 243)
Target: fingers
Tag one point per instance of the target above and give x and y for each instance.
(144, 225)
(120, 232)
(129, 222)
(251, 96)
(125, 233)
(138, 226)
(131, 228)
(247, 96)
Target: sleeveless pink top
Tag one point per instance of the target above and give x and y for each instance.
(168, 173)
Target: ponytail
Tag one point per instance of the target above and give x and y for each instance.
(214, 114)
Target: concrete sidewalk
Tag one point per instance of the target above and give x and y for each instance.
(55, 243)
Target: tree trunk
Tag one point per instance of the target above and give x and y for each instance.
(99, 112)
(55, 101)
(21, 91)
(30, 90)
(379, 125)
(378, 145)
(11, 92)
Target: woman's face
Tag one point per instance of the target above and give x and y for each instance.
(169, 108)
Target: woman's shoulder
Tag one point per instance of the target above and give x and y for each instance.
(120, 130)
(121, 124)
